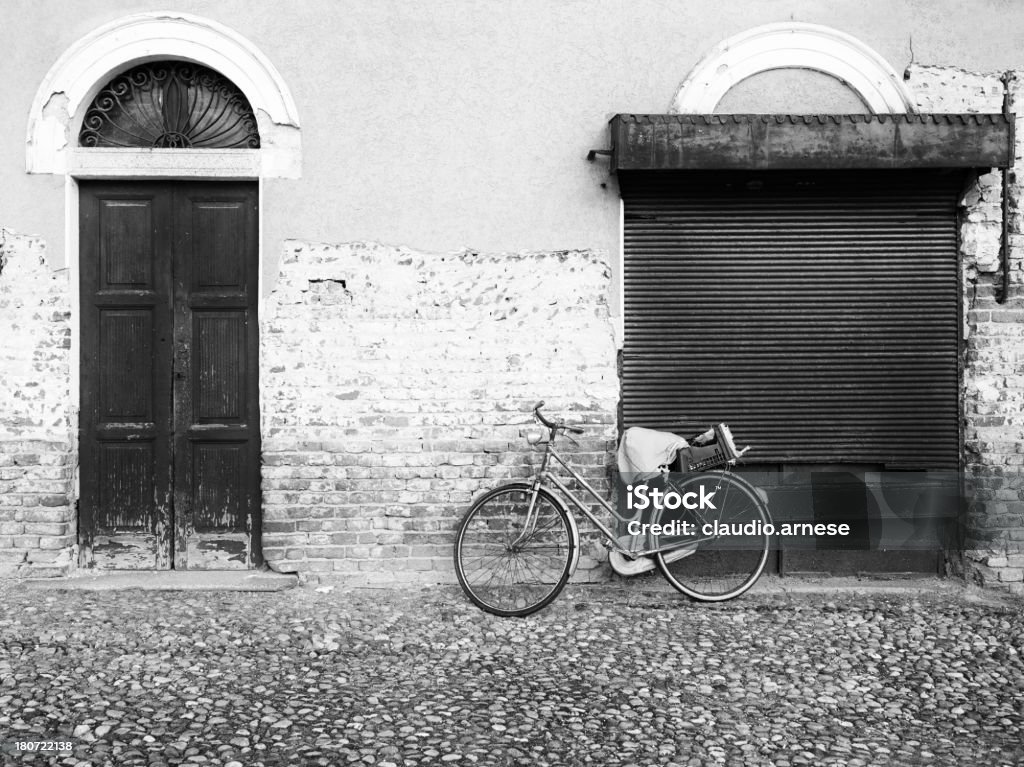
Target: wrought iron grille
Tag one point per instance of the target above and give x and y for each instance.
(170, 104)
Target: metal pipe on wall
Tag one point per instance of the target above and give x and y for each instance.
(1004, 244)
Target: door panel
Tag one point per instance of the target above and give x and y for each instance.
(219, 379)
(169, 418)
(216, 409)
(126, 369)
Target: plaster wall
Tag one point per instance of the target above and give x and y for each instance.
(465, 123)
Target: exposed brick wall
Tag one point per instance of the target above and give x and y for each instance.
(394, 385)
(37, 523)
(993, 385)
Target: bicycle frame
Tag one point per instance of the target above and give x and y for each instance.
(544, 478)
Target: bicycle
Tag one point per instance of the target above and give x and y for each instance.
(518, 544)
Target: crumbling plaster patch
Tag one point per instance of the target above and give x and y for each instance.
(37, 524)
(993, 349)
(394, 385)
(951, 89)
(35, 318)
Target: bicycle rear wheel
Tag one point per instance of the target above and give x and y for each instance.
(506, 567)
(720, 567)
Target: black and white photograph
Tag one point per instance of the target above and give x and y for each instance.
(474, 382)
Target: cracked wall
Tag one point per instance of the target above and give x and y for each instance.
(408, 165)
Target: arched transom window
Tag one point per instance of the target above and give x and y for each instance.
(170, 104)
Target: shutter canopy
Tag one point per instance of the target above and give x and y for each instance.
(816, 312)
(790, 142)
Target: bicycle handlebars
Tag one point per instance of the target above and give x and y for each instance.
(553, 424)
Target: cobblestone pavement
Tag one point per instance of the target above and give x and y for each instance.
(605, 676)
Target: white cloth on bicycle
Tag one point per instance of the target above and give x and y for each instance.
(642, 451)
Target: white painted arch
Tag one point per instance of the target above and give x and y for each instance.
(794, 45)
(72, 82)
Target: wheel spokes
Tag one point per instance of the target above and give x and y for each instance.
(505, 566)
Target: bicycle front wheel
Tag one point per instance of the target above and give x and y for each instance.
(511, 562)
(731, 543)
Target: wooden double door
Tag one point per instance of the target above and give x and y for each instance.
(169, 423)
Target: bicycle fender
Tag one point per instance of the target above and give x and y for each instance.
(575, 538)
(757, 491)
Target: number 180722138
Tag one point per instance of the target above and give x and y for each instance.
(39, 745)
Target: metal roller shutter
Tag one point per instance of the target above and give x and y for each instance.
(816, 312)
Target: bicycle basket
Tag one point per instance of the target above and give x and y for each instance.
(720, 452)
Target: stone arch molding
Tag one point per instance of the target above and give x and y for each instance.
(794, 45)
(70, 85)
